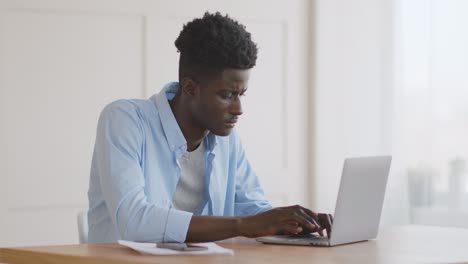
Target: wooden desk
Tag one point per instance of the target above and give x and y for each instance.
(406, 244)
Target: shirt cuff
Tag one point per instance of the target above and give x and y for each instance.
(177, 225)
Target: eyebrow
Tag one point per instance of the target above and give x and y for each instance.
(235, 90)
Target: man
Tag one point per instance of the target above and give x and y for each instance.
(172, 168)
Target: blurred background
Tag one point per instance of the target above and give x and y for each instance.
(334, 79)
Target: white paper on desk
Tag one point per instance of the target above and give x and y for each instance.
(150, 248)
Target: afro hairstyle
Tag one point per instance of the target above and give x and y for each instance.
(211, 44)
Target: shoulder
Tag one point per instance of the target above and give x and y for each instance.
(130, 106)
(128, 109)
(126, 116)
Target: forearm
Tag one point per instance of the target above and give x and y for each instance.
(138, 220)
(212, 228)
(282, 220)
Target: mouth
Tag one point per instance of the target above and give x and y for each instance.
(230, 123)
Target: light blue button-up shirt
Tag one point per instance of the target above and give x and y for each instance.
(134, 174)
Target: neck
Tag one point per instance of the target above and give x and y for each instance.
(193, 134)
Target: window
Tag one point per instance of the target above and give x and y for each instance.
(430, 136)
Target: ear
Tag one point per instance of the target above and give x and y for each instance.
(189, 86)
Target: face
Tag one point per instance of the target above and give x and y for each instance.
(216, 106)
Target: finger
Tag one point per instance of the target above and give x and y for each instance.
(329, 224)
(311, 213)
(298, 215)
(320, 231)
(290, 229)
(313, 217)
(317, 224)
(326, 220)
(287, 231)
(323, 222)
(292, 222)
(304, 221)
(309, 216)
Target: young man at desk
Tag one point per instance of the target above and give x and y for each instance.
(172, 168)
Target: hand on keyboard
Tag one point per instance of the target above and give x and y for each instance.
(324, 221)
(286, 220)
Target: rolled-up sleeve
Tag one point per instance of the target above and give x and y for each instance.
(119, 143)
(249, 198)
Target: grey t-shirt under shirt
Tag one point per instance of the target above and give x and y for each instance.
(189, 193)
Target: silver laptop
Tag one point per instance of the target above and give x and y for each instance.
(358, 207)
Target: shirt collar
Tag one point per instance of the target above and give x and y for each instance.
(174, 136)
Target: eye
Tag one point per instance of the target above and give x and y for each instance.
(227, 95)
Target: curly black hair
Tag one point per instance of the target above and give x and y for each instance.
(212, 44)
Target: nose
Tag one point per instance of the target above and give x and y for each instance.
(236, 107)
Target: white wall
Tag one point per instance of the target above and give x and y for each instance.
(351, 77)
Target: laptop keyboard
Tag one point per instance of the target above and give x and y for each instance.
(313, 239)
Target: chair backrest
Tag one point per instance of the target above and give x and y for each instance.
(82, 221)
